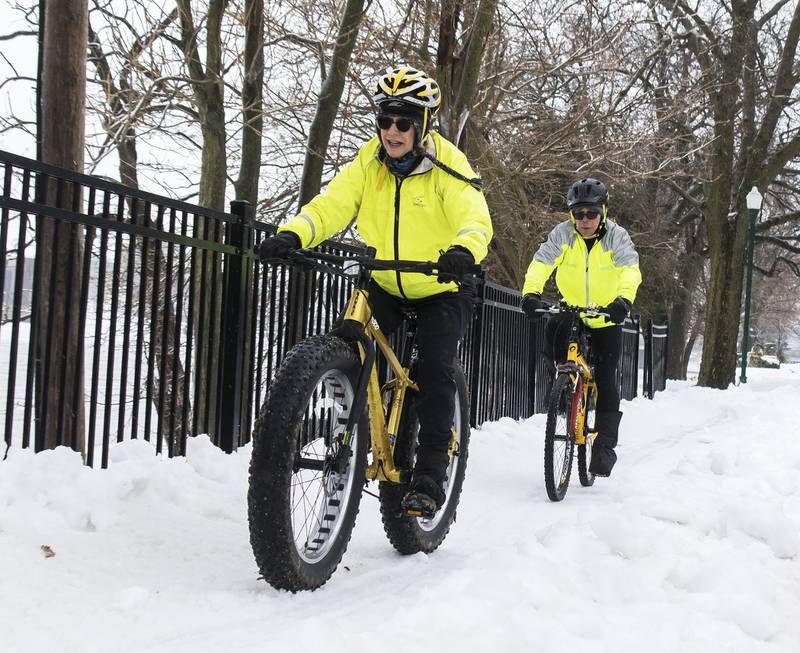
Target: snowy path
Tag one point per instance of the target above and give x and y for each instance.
(692, 545)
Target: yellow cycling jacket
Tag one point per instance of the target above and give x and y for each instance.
(583, 277)
(413, 218)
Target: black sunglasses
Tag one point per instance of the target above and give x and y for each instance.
(402, 124)
(588, 214)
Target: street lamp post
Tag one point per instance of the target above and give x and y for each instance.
(754, 200)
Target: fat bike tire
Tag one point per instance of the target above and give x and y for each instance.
(411, 535)
(301, 507)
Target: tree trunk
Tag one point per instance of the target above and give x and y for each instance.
(725, 236)
(445, 55)
(687, 350)
(171, 374)
(207, 84)
(718, 368)
(250, 167)
(319, 133)
(727, 233)
(680, 319)
(468, 82)
(252, 102)
(59, 369)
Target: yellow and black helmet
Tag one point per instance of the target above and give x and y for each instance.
(409, 86)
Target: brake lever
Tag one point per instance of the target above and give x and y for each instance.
(300, 259)
(475, 270)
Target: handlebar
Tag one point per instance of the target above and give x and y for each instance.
(319, 260)
(563, 307)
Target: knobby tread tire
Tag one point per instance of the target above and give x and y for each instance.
(585, 450)
(275, 443)
(407, 534)
(560, 406)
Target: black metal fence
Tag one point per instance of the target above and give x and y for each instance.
(504, 345)
(511, 378)
(153, 280)
(655, 358)
(176, 329)
(628, 369)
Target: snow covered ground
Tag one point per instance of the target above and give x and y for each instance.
(692, 545)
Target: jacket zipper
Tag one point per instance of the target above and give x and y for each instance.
(398, 183)
(586, 249)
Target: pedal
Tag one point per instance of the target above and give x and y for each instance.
(416, 504)
(417, 513)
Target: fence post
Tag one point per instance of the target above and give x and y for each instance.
(664, 356)
(532, 362)
(637, 320)
(238, 234)
(647, 384)
(477, 359)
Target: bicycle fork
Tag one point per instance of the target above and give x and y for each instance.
(578, 403)
(583, 434)
(355, 318)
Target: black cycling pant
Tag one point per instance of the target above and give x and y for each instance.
(442, 320)
(606, 345)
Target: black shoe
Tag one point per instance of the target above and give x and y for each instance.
(424, 497)
(603, 459)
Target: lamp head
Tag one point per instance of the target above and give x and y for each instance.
(754, 199)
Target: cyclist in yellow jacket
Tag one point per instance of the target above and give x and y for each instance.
(596, 263)
(415, 197)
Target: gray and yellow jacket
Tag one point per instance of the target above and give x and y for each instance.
(584, 277)
(411, 218)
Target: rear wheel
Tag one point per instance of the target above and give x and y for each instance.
(414, 534)
(559, 438)
(305, 488)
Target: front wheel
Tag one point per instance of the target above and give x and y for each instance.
(305, 488)
(585, 449)
(414, 534)
(559, 438)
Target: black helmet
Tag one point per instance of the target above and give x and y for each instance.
(587, 192)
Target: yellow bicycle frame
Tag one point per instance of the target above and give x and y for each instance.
(579, 366)
(383, 431)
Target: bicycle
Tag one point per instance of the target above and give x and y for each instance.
(571, 403)
(315, 447)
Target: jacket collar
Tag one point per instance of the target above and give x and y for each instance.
(423, 166)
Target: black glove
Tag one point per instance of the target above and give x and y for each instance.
(455, 261)
(618, 310)
(278, 248)
(531, 303)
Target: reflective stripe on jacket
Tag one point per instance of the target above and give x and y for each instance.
(583, 277)
(410, 219)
